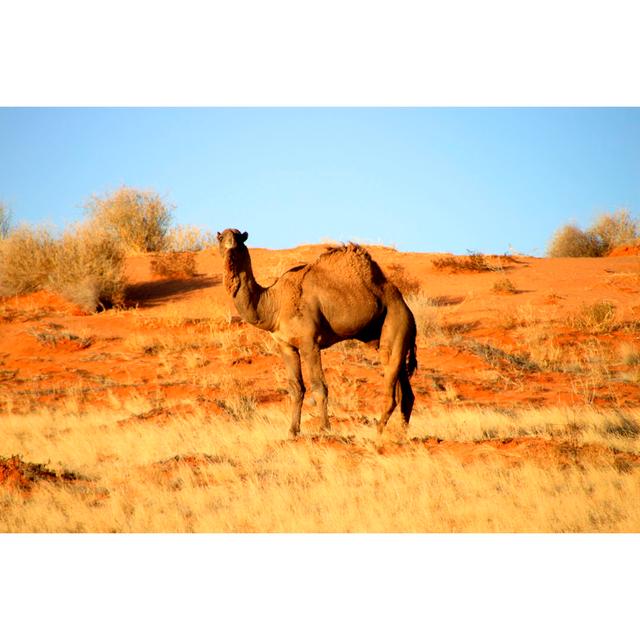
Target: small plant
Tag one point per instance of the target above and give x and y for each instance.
(504, 285)
(497, 357)
(475, 262)
(138, 219)
(174, 264)
(53, 337)
(630, 354)
(596, 318)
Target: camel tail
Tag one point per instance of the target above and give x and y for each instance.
(412, 361)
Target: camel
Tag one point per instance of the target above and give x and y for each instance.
(342, 295)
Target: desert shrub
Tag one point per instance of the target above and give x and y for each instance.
(88, 268)
(174, 264)
(407, 285)
(183, 238)
(504, 285)
(5, 220)
(596, 318)
(473, 262)
(84, 265)
(615, 229)
(26, 260)
(140, 220)
(571, 242)
(609, 230)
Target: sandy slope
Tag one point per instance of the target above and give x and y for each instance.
(178, 333)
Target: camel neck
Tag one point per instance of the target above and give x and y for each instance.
(251, 299)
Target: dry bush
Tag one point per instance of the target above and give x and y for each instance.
(138, 219)
(407, 285)
(630, 354)
(174, 264)
(607, 232)
(615, 229)
(595, 318)
(571, 242)
(5, 220)
(26, 260)
(88, 268)
(504, 285)
(473, 262)
(183, 238)
(84, 266)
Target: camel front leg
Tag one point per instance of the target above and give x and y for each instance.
(291, 358)
(311, 355)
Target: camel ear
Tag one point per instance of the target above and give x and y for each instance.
(244, 236)
(219, 236)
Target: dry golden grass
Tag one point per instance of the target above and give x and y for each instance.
(144, 468)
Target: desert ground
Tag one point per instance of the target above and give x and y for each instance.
(171, 414)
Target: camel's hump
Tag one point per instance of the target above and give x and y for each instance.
(350, 247)
(351, 257)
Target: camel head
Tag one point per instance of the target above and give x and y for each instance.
(231, 239)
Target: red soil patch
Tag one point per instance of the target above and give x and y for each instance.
(38, 303)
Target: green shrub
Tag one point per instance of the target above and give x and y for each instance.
(140, 220)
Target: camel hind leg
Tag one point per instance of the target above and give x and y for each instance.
(395, 343)
(407, 397)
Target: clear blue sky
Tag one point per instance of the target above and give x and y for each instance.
(421, 179)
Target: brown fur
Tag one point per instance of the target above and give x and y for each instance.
(342, 295)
